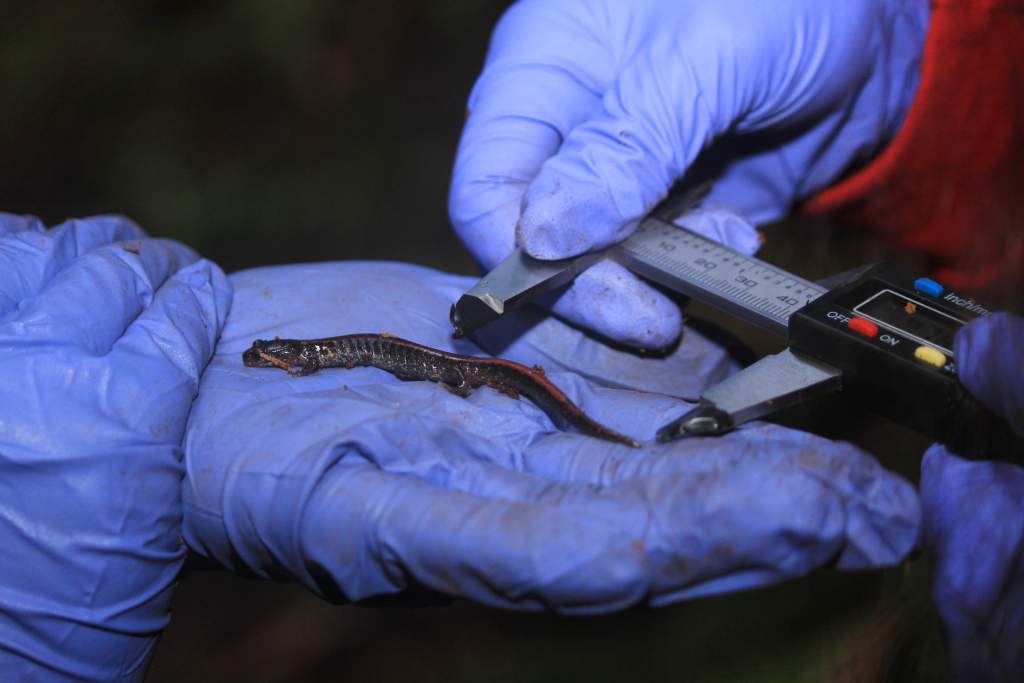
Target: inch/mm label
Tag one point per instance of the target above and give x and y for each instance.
(715, 274)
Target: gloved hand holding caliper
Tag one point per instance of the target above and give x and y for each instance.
(588, 111)
(636, 121)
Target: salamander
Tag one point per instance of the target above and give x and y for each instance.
(411, 361)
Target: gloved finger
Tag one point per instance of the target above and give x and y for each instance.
(991, 365)
(723, 226)
(618, 164)
(12, 222)
(611, 301)
(428, 507)
(342, 526)
(973, 526)
(533, 90)
(173, 339)
(91, 302)
(878, 509)
(714, 74)
(31, 256)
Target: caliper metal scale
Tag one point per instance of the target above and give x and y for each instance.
(883, 338)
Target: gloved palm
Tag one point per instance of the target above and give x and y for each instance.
(974, 517)
(587, 112)
(104, 334)
(359, 484)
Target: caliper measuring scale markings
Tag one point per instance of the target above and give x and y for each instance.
(662, 252)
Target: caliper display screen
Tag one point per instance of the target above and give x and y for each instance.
(914, 319)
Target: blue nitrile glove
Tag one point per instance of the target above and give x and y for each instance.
(358, 484)
(974, 517)
(103, 336)
(587, 111)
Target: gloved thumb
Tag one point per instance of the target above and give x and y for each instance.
(615, 167)
(991, 365)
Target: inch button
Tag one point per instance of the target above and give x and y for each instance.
(928, 286)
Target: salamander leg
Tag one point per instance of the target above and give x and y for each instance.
(461, 388)
(404, 376)
(508, 391)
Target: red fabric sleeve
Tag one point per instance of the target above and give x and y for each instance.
(951, 184)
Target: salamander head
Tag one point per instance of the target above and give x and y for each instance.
(281, 353)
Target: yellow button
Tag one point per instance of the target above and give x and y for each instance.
(930, 356)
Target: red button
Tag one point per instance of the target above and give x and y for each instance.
(863, 326)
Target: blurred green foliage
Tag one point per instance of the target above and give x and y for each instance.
(259, 132)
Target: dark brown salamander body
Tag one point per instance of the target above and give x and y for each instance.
(409, 360)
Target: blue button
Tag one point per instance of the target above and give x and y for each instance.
(928, 286)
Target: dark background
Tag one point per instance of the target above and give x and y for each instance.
(264, 132)
(257, 131)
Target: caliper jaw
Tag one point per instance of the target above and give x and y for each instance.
(771, 384)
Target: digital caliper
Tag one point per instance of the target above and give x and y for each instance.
(881, 337)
